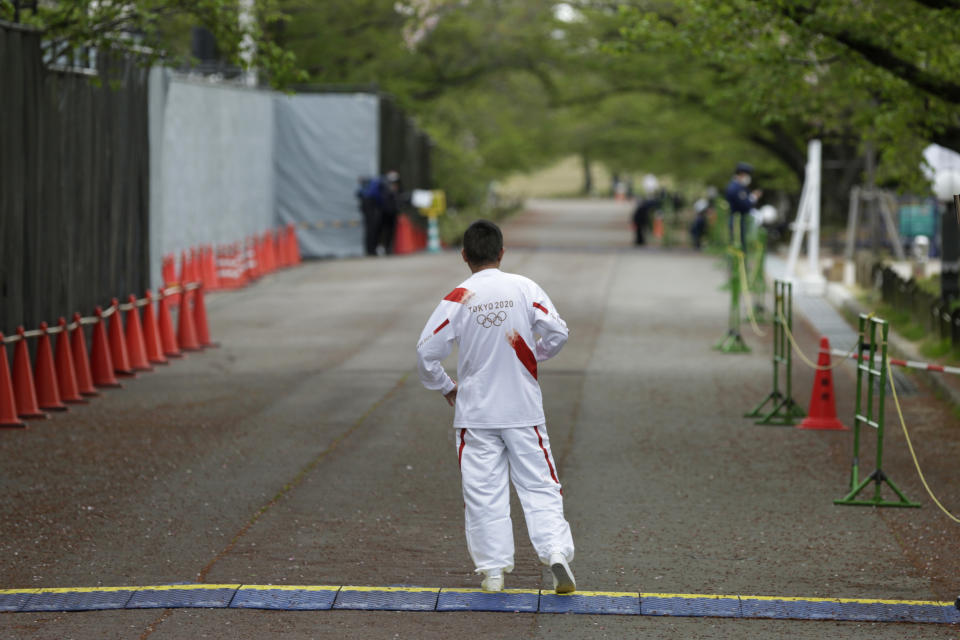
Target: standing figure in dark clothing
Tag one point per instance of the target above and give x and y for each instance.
(367, 195)
(379, 199)
(389, 209)
(641, 218)
(702, 210)
(741, 201)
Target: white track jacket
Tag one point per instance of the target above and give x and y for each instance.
(504, 324)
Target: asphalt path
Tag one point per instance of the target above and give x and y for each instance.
(304, 451)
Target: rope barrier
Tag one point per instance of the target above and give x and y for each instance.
(910, 364)
(803, 356)
(109, 311)
(746, 290)
(906, 435)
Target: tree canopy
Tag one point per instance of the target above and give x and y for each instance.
(685, 87)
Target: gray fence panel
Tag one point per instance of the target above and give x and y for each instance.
(323, 144)
(212, 147)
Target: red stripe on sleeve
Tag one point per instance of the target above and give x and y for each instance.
(541, 307)
(523, 353)
(442, 325)
(459, 294)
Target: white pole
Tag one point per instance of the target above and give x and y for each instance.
(814, 283)
(247, 46)
(808, 220)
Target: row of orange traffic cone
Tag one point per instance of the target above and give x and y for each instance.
(70, 376)
(232, 266)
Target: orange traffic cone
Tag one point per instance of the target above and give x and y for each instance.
(136, 345)
(280, 248)
(185, 269)
(823, 405)
(118, 344)
(48, 391)
(658, 227)
(263, 253)
(101, 360)
(403, 238)
(210, 279)
(186, 330)
(240, 264)
(81, 363)
(248, 261)
(272, 250)
(66, 372)
(151, 333)
(170, 276)
(24, 390)
(8, 405)
(168, 340)
(200, 320)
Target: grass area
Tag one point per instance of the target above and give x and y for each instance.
(903, 323)
(455, 221)
(561, 180)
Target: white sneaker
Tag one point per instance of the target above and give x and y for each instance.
(563, 581)
(493, 582)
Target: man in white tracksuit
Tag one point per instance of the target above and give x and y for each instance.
(504, 324)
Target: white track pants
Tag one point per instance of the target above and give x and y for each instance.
(486, 457)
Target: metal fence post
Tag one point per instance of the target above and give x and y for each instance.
(782, 409)
(733, 341)
(872, 373)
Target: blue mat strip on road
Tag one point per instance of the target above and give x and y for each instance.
(516, 600)
(318, 598)
(284, 598)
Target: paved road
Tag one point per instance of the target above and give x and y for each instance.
(304, 451)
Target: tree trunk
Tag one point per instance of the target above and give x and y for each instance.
(587, 173)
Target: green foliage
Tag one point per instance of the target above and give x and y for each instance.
(878, 70)
(155, 29)
(676, 87)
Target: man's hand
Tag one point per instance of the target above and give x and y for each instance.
(451, 396)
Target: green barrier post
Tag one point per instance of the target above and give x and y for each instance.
(758, 281)
(875, 372)
(733, 341)
(782, 409)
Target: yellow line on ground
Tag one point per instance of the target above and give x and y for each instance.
(285, 587)
(687, 596)
(608, 594)
(186, 587)
(588, 594)
(480, 591)
(393, 589)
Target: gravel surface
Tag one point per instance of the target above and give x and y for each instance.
(305, 451)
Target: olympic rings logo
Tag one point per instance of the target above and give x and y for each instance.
(491, 319)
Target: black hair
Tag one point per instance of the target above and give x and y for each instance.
(482, 243)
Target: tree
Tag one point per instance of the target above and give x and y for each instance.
(155, 29)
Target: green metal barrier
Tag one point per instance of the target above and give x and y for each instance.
(871, 373)
(733, 341)
(758, 281)
(782, 409)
